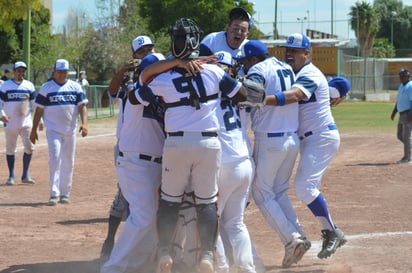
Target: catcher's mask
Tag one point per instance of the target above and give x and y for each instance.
(185, 38)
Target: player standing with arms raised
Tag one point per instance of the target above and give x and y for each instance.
(318, 133)
(17, 96)
(59, 102)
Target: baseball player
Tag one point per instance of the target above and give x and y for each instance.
(127, 75)
(234, 184)
(138, 171)
(192, 128)
(318, 134)
(232, 41)
(59, 102)
(275, 150)
(17, 96)
(403, 105)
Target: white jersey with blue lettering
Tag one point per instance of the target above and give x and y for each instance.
(314, 112)
(277, 76)
(16, 99)
(60, 103)
(137, 119)
(234, 146)
(216, 41)
(173, 87)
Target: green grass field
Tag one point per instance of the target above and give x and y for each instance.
(350, 116)
(363, 117)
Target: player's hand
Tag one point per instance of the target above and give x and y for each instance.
(33, 136)
(83, 130)
(392, 116)
(336, 101)
(5, 119)
(191, 66)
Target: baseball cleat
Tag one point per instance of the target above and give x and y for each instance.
(165, 264)
(53, 201)
(403, 160)
(28, 180)
(206, 264)
(64, 199)
(10, 181)
(294, 251)
(332, 239)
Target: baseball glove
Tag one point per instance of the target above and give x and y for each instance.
(256, 95)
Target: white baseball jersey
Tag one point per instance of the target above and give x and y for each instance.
(173, 87)
(276, 76)
(216, 41)
(60, 103)
(314, 112)
(234, 147)
(137, 119)
(16, 99)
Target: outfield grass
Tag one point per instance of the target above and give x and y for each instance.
(350, 116)
(353, 117)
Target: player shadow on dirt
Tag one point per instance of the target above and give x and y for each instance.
(372, 164)
(34, 205)
(92, 266)
(293, 269)
(83, 222)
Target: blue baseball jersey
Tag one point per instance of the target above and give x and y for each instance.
(404, 97)
(276, 76)
(60, 104)
(16, 99)
(314, 112)
(173, 87)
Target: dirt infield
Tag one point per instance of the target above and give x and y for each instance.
(369, 197)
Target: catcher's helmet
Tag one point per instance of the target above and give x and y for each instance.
(185, 38)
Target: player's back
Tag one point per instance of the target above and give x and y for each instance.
(174, 88)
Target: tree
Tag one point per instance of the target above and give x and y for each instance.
(382, 48)
(395, 19)
(210, 16)
(17, 10)
(365, 22)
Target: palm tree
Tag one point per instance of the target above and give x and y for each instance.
(365, 23)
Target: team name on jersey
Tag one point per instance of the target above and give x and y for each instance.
(17, 96)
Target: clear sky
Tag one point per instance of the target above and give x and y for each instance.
(317, 13)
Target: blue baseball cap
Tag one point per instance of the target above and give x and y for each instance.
(404, 71)
(298, 40)
(339, 87)
(150, 59)
(241, 14)
(7, 70)
(253, 48)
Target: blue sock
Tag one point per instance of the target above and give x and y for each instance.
(319, 208)
(26, 164)
(10, 164)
